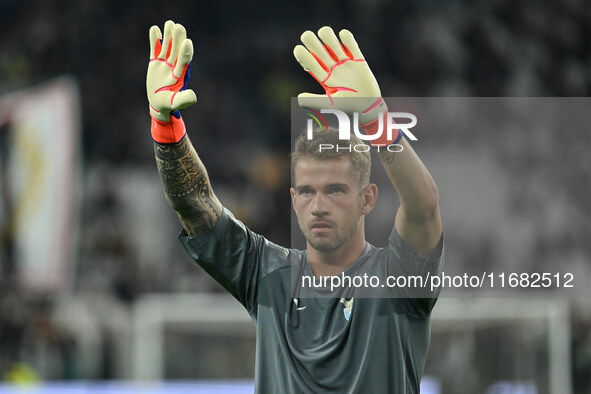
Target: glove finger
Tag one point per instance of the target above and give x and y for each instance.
(349, 41)
(168, 26)
(309, 63)
(178, 36)
(183, 99)
(330, 39)
(314, 101)
(317, 49)
(184, 57)
(155, 36)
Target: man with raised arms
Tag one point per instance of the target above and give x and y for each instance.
(310, 344)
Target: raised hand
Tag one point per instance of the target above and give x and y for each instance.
(167, 78)
(341, 69)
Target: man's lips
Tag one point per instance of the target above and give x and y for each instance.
(320, 227)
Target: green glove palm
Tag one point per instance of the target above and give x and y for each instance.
(342, 71)
(170, 58)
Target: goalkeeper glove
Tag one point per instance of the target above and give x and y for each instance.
(346, 78)
(166, 82)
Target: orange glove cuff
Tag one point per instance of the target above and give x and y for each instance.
(168, 132)
(373, 127)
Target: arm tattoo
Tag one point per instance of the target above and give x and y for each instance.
(187, 185)
(386, 156)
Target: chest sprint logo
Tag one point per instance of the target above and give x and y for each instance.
(296, 301)
(395, 121)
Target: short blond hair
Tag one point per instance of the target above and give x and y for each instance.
(310, 148)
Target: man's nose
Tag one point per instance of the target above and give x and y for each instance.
(319, 205)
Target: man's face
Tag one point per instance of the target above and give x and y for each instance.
(327, 202)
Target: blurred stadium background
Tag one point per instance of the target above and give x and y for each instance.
(96, 294)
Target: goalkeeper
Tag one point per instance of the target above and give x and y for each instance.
(306, 344)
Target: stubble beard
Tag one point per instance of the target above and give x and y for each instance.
(336, 238)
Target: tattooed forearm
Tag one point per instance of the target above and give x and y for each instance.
(187, 186)
(386, 156)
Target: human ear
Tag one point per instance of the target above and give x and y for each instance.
(292, 193)
(369, 197)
